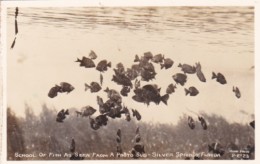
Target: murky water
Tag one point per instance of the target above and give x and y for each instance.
(50, 39)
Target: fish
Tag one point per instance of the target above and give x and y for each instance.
(125, 90)
(54, 91)
(147, 75)
(72, 145)
(167, 63)
(12, 46)
(150, 93)
(88, 111)
(101, 79)
(139, 148)
(170, 89)
(180, 78)
(94, 87)
(192, 91)
(187, 68)
(113, 95)
(252, 124)
(102, 65)
(92, 55)
(203, 123)
(136, 114)
(158, 58)
(62, 115)
(199, 73)
(101, 120)
(86, 62)
(118, 136)
(93, 124)
(132, 73)
(121, 79)
(216, 148)
(16, 27)
(219, 77)
(147, 56)
(127, 113)
(191, 122)
(237, 92)
(120, 68)
(66, 87)
(16, 12)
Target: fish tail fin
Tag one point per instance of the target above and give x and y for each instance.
(78, 60)
(86, 86)
(165, 98)
(107, 89)
(186, 91)
(162, 66)
(180, 65)
(214, 75)
(109, 64)
(67, 112)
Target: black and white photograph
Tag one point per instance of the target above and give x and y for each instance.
(129, 82)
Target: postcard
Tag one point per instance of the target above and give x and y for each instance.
(128, 82)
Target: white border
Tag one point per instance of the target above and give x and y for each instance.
(125, 3)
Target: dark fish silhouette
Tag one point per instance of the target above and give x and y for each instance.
(120, 68)
(54, 91)
(180, 78)
(216, 148)
(88, 111)
(118, 140)
(121, 79)
(127, 113)
(94, 87)
(203, 123)
(187, 68)
(92, 55)
(16, 12)
(125, 90)
(170, 89)
(86, 62)
(191, 122)
(158, 58)
(113, 95)
(252, 124)
(150, 93)
(199, 73)
(72, 146)
(237, 92)
(101, 79)
(136, 114)
(118, 136)
(167, 63)
(147, 56)
(16, 27)
(12, 46)
(192, 91)
(219, 77)
(147, 71)
(66, 87)
(102, 65)
(62, 115)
